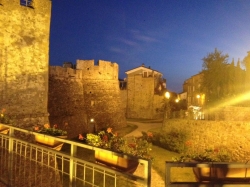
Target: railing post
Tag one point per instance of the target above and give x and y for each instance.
(10, 160)
(147, 172)
(167, 174)
(72, 168)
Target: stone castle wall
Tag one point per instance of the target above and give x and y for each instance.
(90, 91)
(216, 134)
(24, 50)
(104, 70)
(142, 102)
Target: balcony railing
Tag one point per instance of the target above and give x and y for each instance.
(211, 174)
(26, 163)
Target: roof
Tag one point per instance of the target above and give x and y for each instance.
(142, 67)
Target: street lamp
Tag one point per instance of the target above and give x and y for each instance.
(198, 98)
(166, 107)
(167, 95)
(92, 125)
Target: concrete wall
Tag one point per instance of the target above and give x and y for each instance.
(24, 50)
(215, 134)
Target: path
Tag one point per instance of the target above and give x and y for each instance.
(143, 126)
(156, 179)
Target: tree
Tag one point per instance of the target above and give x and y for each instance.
(216, 78)
(246, 63)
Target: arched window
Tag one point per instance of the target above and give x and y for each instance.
(27, 3)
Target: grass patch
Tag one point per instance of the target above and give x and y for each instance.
(161, 155)
(177, 174)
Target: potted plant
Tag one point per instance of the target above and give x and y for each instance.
(136, 147)
(46, 133)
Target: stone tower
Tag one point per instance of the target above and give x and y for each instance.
(91, 91)
(24, 55)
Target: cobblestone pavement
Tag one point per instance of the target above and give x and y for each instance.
(156, 179)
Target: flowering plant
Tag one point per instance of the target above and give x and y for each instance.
(136, 146)
(207, 155)
(54, 131)
(3, 117)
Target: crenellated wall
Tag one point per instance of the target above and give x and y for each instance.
(103, 70)
(89, 91)
(24, 52)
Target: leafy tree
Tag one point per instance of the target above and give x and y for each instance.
(215, 76)
(246, 63)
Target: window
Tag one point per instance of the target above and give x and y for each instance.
(27, 3)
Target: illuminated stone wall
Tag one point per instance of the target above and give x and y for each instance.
(233, 135)
(89, 91)
(141, 100)
(24, 50)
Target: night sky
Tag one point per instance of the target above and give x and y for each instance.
(170, 36)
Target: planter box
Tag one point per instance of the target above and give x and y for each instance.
(49, 141)
(112, 160)
(223, 174)
(3, 129)
(212, 173)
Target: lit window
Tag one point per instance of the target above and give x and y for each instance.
(27, 3)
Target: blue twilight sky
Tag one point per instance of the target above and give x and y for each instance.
(171, 36)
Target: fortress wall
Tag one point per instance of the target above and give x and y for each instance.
(63, 73)
(104, 70)
(143, 103)
(75, 98)
(24, 41)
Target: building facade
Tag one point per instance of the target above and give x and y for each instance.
(192, 87)
(145, 93)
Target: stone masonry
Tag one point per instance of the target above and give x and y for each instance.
(142, 102)
(24, 49)
(203, 134)
(89, 91)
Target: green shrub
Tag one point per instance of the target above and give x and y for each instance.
(173, 140)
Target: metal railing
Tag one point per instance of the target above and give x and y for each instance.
(29, 164)
(213, 178)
